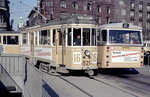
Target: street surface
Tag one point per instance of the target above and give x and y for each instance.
(108, 83)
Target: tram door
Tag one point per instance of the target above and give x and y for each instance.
(59, 47)
(32, 44)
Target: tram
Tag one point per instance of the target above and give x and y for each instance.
(147, 46)
(10, 42)
(62, 45)
(120, 45)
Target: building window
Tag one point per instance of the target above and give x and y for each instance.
(121, 2)
(132, 22)
(63, 3)
(108, 0)
(132, 13)
(51, 3)
(107, 20)
(148, 15)
(99, 20)
(132, 5)
(108, 10)
(147, 24)
(123, 12)
(140, 24)
(85, 7)
(98, 8)
(89, 6)
(148, 7)
(140, 7)
(75, 5)
(140, 14)
(63, 15)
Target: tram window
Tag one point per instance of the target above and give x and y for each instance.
(124, 36)
(54, 37)
(36, 37)
(4, 40)
(13, 40)
(104, 36)
(24, 38)
(60, 38)
(93, 37)
(86, 37)
(44, 36)
(77, 36)
(69, 36)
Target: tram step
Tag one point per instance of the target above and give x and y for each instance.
(62, 70)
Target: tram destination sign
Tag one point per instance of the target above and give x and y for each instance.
(125, 56)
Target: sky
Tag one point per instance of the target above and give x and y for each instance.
(19, 10)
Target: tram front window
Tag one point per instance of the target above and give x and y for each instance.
(77, 36)
(124, 37)
(86, 37)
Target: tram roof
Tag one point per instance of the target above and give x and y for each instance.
(71, 20)
(9, 32)
(120, 26)
(68, 20)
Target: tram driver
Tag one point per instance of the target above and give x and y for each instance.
(78, 41)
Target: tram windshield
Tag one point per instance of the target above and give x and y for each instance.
(124, 37)
(88, 37)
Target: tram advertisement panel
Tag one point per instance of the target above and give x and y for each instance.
(25, 51)
(45, 53)
(125, 56)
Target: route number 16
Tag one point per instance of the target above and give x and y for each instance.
(77, 58)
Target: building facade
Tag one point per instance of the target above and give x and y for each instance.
(4, 15)
(136, 12)
(101, 10)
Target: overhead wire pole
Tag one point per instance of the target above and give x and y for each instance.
(34, 10)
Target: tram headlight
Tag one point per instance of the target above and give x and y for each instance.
(87, 52)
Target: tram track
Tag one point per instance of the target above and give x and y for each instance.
(75, 86)
(96, 79)
(72, 84)
(134, 83)
(131, 85)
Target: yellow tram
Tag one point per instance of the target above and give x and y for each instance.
(120, 45)
(147, 46)
(10, 42)
(67, 44)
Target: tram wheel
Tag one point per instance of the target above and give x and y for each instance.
(91, 72)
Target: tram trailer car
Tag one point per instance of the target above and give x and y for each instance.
(68, 43)
(120, 45)
(10, 42)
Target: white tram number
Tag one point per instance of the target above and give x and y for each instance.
(77, 58)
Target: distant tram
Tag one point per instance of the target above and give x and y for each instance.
(120, 45)
(62, 45)
(10, 42)
(147, 46)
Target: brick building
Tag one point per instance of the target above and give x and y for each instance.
(101, 10)
(4, 15)
(136, 12)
